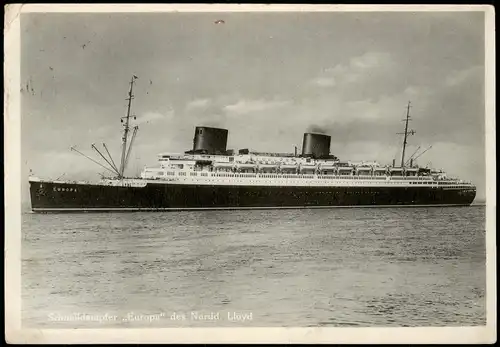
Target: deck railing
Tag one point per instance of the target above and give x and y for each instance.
(229, 174)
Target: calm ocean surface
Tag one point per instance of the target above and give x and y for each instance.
(293, 268)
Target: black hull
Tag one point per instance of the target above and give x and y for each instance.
(69, 197)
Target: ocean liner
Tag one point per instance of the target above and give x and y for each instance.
(209, 176)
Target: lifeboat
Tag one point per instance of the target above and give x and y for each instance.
(225, 165)
(411, 171)
(364, 170)
(308, 167)
(267, 168)
(345, 170)
(395, 169)
(288, 168)
(246, 166)
(327, 168)
(379, 171)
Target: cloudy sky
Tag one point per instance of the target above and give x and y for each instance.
(267, 77)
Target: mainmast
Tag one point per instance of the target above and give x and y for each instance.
(406, 133)
(125, 151)
(126, 126)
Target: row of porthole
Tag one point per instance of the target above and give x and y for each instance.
(297, 182)
(59, 189)
(369, 180)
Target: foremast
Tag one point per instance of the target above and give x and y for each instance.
(119, 172)
(126, 129)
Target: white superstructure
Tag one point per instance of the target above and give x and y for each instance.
(253, 169)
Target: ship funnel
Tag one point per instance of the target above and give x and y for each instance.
(316, 145)
(210, 140)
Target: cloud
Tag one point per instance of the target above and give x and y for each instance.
(362, 76)
(249, 106)
(455, 108)
(215, 120)
(360, 68)
(370, 60)
(198, 103)
(324, 81)
(154, 117)
(461, 76)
